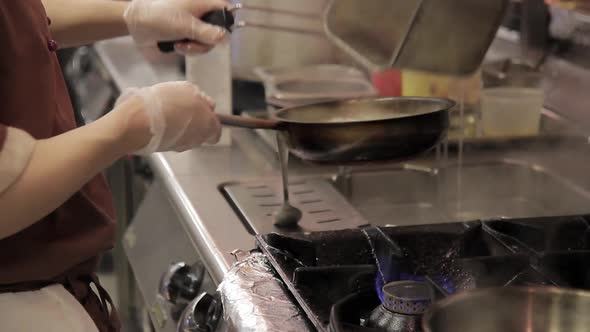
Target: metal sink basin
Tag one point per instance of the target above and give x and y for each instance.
(506, 188)
(409, 195)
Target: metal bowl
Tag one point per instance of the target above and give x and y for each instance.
(511, 309)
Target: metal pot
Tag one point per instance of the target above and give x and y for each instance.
(511, 309)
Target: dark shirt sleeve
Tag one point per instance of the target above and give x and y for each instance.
(2, 136)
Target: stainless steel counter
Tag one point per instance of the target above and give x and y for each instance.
(192, 179)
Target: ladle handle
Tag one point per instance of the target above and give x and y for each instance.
(222, 18)
(243, 122)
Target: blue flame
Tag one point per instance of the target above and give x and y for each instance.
(446, 283)
(379, 288)
(391, 272)
(390, 261)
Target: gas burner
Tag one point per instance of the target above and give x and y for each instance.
(337, 277)
(404, 302)
(407, 297)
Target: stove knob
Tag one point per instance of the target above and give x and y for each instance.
(201, 315)
(181, 283)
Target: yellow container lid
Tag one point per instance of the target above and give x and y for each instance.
(431, 85)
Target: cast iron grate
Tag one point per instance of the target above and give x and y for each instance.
(332, 274)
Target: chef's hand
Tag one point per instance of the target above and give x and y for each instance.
(150, 21)
(169, 116)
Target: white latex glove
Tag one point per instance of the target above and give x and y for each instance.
(180, 116)
(150, 21)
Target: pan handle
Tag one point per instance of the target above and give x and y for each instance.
(243, 122)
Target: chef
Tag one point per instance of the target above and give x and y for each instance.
(56, 213)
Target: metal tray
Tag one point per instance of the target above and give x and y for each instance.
(404, 34)
(505, 188)
(290, 86)
(323, 208)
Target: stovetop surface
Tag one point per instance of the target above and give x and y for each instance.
(335, 275)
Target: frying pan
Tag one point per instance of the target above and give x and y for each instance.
(358, 130)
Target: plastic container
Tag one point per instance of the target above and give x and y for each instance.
(513, 73)
(511, 111)
(466, 90)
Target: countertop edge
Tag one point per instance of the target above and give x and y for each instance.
(198, 235)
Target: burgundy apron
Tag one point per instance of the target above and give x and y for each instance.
(63, 246)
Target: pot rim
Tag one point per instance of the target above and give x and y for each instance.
(439, 305)
(445, 105)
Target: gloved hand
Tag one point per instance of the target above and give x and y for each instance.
(180, 116)
(150, 21)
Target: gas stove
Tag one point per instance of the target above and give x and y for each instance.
(367, 256)
(375, 246)
(383, 278)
